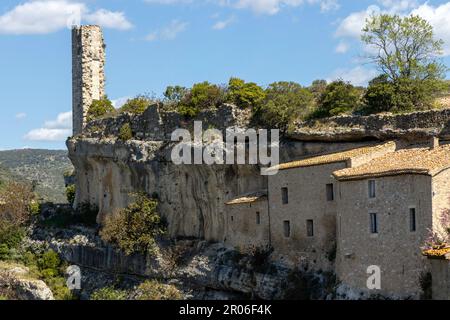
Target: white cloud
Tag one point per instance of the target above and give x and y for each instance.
(47, 16)
(109, 19)
(119, 102)
(342, 47)
(21, 115)
(222, 24)
(53, 130)
(169, 32)
(439, 18)
(358, 76)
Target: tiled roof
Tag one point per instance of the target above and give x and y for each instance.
(249, 198)
(341, 156)
(427, 161)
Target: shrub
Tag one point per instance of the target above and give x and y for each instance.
(244, 95)
(70, 194)
(16, 207)
(11, 235)
(285, 102)
(202, 96)
(339, 97)
(4, 251)
(109, 293)
(135, 228)
(400, 95)
(136, 105)
(153, 290)
(49, 261)
(100, 108)
(125, 132)
(175, 94)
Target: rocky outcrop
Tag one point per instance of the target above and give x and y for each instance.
(22, 286)
(414, 126)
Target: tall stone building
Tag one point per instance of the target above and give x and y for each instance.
(88, 74)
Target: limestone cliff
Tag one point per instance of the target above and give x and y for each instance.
(192, 197)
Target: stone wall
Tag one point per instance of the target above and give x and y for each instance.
(395, 249)
(414, 126)
(244, 230)
(88, 75)
(307, 200)
(440, 274)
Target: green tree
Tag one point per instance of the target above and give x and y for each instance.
(100, 108)
(317, 87)
(404, 47)
(284, 103)
(135, 228)
(136, 105)
(339, 97)
(202, 96)
(244, 95)
(407, 55)
(175, 94)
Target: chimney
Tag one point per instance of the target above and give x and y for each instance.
(434, 142)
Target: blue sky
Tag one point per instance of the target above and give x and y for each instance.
(155, 43)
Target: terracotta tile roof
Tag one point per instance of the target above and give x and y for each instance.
(341, 156)
(427, 161)
(249, 198)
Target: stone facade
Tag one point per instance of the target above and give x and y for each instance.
(88, 75)
(395, 248)
(247, 224)
(440, 273)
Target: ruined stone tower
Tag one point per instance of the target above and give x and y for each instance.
(88, 74)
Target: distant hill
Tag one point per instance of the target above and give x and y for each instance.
(46, 167)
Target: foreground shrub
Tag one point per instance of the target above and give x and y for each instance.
(109, 293)
(135, 228)
(136, 105)
(100, 108)
(154, 290)
(70, 194)
(16, 202)
(125, 132)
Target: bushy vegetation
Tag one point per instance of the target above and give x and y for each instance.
(136, 228)
(100, 108)
(154, 290)
(245, 95)
(109, 293)
(136, 105)
(70, 193)
(125, 132)
(86, 215)
(201, 96)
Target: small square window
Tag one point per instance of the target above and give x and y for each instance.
(285, 195)
(258, 218)
(412, 219)
(287, 228)
(372, 193)
(310, 228)
(330, 192)
(373, 223)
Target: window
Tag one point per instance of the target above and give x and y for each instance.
(412, 219)
(284, 195)
(330, 192)
(258, 218)
(373, 223)
(372, 189)
(287, 228)
(310, 228)
(232, 218)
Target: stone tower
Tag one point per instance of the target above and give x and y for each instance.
(88, 73)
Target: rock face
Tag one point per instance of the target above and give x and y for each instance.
(17, 281)
(414, 126)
